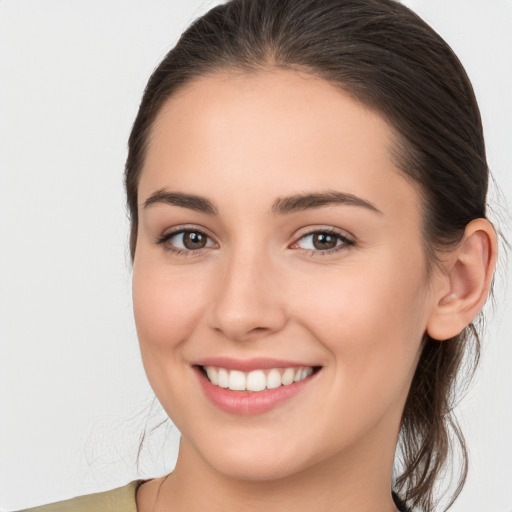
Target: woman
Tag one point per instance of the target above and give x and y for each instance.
(307, 187)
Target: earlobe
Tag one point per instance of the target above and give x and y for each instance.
(468, 277)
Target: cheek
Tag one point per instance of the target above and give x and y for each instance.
(167, 304)
(372, 322)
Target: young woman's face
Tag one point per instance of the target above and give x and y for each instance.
(276, 235)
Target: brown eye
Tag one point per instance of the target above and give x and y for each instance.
(323, 241)
(194, 240)
(185, 241)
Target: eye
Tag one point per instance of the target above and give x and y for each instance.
(186, 241)
(323, 241)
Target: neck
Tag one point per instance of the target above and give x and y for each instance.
(347, 483)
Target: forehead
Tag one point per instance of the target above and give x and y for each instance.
(269, 132)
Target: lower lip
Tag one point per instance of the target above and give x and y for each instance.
(248, 403)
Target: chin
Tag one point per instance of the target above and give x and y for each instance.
(266, 460)
(255, 470)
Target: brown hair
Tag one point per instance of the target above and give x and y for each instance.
(386, 57)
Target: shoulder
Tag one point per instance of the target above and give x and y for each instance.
(148, 494)
(121, 499)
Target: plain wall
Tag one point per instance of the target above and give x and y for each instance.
(73, 395)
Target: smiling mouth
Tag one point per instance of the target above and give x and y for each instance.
(256, 380)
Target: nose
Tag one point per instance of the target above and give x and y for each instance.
(248, 303)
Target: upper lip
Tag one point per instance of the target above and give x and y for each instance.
(247, 365)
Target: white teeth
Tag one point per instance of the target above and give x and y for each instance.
(223, 377)
(213, 375)
(256, 380)
(273, 379)
(287, 377)
(236, 380)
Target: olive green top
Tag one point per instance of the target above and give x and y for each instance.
(121, 499)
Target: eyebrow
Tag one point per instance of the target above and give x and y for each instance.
(190, 201)
(282, 206)
(301, 202)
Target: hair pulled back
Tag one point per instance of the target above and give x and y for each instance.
(387, 58)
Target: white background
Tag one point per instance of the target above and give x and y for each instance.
(73, 395)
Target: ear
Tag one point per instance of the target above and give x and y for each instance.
(462, 288)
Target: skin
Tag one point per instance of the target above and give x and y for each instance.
(260, 289)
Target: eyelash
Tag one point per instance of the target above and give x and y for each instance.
(162, 240)
(346, 242)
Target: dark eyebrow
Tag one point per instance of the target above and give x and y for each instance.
(191, 201)
(301, 202)
(281, 206)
